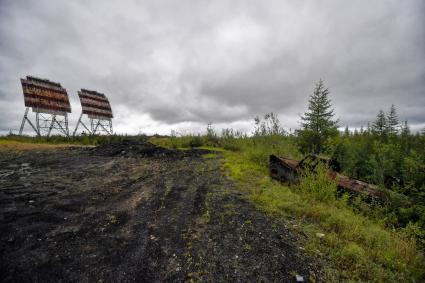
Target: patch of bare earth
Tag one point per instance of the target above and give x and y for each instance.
(83, 215)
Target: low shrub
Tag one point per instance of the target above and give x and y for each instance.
(318, 184)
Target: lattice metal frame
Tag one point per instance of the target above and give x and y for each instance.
(101, 125)
(46, 122)
(97, 126)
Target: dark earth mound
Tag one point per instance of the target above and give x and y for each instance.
(134, 148)
(91, 216)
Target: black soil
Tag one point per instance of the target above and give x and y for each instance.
(131, 148)
(135, 212)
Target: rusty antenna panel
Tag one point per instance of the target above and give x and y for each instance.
(50, 103)
(98, 110)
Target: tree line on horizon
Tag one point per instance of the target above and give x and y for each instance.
(386, 153)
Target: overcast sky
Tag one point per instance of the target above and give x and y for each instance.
(180, 64)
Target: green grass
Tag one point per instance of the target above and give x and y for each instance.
(354, 247)
(209, 155)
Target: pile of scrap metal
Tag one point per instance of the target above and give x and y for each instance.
(289, 171)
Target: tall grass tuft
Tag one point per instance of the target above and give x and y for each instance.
(318, 184)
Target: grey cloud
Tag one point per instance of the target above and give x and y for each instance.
(221, 61)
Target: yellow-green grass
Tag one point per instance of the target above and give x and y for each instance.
(6, 145)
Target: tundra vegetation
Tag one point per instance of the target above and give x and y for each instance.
(355, 239)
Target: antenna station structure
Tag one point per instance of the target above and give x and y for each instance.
(98, 110)
(50, 103)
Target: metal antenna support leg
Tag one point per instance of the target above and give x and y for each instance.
(29, 122)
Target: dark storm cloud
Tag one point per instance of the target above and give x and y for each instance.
(167, 64)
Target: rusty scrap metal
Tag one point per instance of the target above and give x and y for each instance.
(289, 170)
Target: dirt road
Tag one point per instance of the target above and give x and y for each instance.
(142, 214)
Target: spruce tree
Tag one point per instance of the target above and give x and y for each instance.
(393, 123)
(346, 131)
(405, 138)
(380, 126)
(405, 130)
(318, 122)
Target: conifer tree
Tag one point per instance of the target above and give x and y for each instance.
(405, 130)
(392, 121)
(346, 131)
(318, 122)
(405, 138)
(379, 127)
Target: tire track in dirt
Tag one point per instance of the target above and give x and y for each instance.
(129, 219)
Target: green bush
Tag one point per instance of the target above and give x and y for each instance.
(318, 184)
(195, 141)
